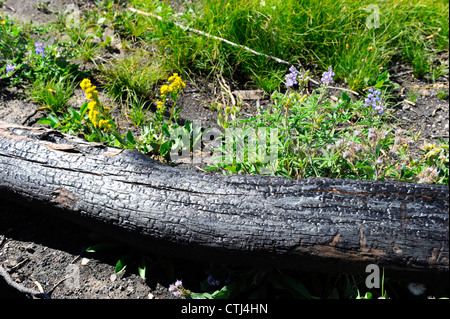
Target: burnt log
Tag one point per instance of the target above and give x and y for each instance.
(330, 225)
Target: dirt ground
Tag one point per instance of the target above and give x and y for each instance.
(39, 251)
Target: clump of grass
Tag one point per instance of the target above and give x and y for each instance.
(136, 73)
(136, 109)
(53, 94)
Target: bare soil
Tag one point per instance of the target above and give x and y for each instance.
(39, 251)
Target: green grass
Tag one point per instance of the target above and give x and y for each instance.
(53, 94)
(322, 32)
(136, 73)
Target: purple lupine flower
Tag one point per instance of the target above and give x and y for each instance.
(39, 49)
(373, 99)
(212, 282)
(177, 289)
(10, 67)
(291, 78)
(327, 77)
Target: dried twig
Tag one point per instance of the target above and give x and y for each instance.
(210, 36)
(20, 288)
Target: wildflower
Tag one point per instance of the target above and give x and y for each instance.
(327, 77)
(212, 282)
(428, 175)
(39, 49)
(291, 78)
(339, 143)
(372, 134)
(93, 116)
(105, 125)
(178, 290)
(10, 67)
(98, 114)
(165, 89)
(85, 84)
(374, 100)
(2, 22)
(176, 84)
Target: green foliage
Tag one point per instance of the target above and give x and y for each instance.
(335, 33)
(53, 94)
(302, 136)
(136, 75)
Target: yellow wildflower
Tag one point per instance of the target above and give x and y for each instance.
(92, 95)
(160, 104)
(173, 77)
(93, 116)
(91, 104)
(166, 89)
(176, 82)
(86, 83)
(105, 124)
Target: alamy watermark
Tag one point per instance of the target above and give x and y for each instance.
(373, 19)
(231, 146)
(72, 278)
(373, 279)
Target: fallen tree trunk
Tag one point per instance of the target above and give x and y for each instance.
(313, 224)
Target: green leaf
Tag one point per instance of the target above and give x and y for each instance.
(142, 267)
(223, 293)
(130, 137)
(121, 264)
(100, 247)
(83, 109)
(101, 20)
(165, 148)
(345, 97)
(368, 295)
(165, 129)
(45, 121)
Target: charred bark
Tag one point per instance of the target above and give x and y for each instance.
(313, 224)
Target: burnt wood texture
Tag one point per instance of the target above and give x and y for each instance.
(328, 225)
